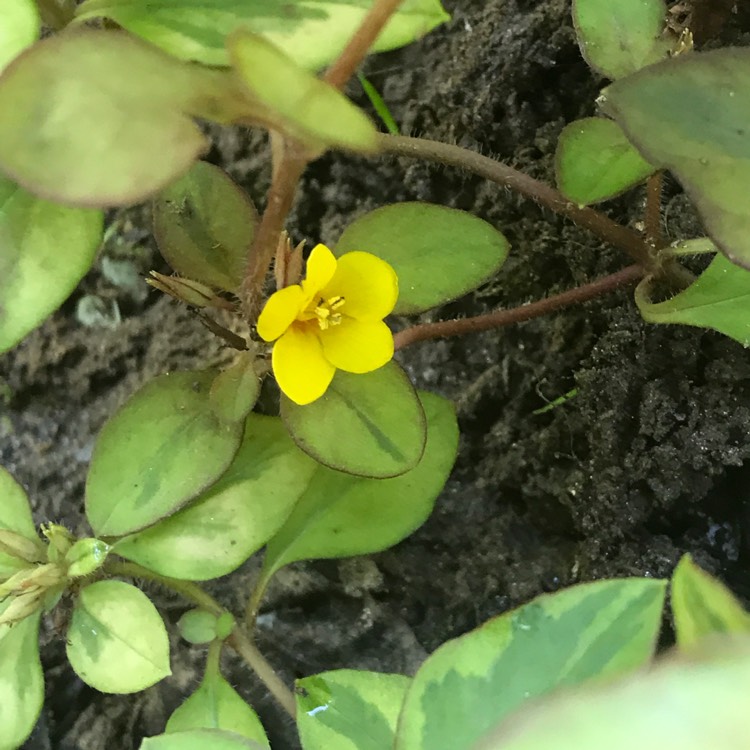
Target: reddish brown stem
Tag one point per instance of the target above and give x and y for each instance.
(588, 218)
(500, 318)
(357, 48)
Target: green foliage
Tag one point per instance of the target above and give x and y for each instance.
(141, 474)
(619, 37)
(46, 250)
(691, 704)
(19, 29)
(689, 115)
(372, 425)
(470, 684)
(111, 118)
(21, 680)
(717, 299)
(310, 109)
(236, 516)
(703, 606)
(200, 739)
(15, 516)
(349, 710)
(217, 705)
(117, 642)
(438, 253)
(340, 515)
(595, 161)
(313, 31)
(204, 224)
(235, 390)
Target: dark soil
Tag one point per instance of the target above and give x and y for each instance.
(644, 464)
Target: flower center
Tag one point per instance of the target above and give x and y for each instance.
(326, 311)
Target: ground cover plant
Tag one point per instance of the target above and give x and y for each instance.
(194, 474)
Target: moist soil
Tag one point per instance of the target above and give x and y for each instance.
(645, 463)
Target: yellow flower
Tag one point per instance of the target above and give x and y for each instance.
(333, 319)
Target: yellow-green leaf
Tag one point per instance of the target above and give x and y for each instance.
(117, 642)
(99, 118)
(19, 29)
(298, 102)
(703, 606)
(46, 250)
(313, 32)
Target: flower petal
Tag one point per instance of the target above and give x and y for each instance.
(367, 283)
(280, 311)
(321, 266)
(358, 345)
(301, 370)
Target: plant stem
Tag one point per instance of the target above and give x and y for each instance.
(653, 209)
(242, 644)
(238, 640)
(500, 318)
(280, 198)
(358, 46)
(588, 218)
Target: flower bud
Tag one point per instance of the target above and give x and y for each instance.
(21, 547)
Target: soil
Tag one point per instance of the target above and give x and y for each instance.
(645, 463)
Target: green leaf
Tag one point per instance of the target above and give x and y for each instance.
(717, 299)
(117, 642)
(204, 224)
(46, 250)
(217, 532)
(349, 710)
(19, 29)
(619, 37)
(341, 515)
(217, 705)
(300, 103)
(21, 681)
(197, 29)
(200, 739)
(690, 115)
(688, 704)
(703, 606)
(161, 449)
(110, 118)
(471, 683)
(15, 515)
(372, 425)
(595, 161)
(438, 253)
(234, 392)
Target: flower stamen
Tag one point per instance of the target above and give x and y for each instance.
(326, 311)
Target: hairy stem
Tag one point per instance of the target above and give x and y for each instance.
(358, 46)
(238, 640)
(500, 318)
(596, 222)
(280, 198)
